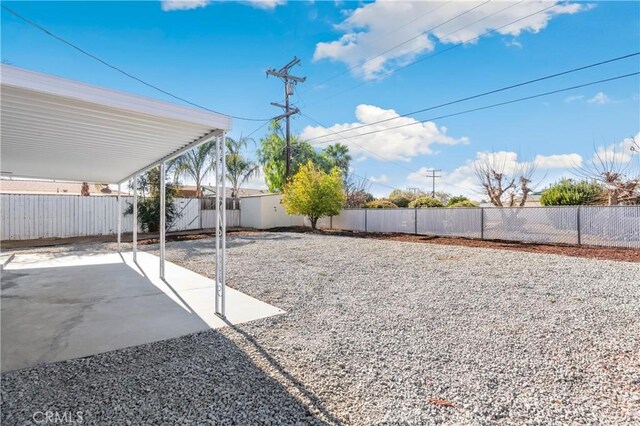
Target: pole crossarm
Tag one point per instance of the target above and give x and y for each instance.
(289, 83)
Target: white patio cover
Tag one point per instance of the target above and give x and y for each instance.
(54, 128)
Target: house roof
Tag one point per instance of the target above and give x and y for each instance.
(51, 187)
(190, 191)
(54, 128)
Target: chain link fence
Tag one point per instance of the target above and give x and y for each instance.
(609, 226)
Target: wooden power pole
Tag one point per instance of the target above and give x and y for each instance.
(289, 83)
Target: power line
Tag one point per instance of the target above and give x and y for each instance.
(494, 105)
(445, 50)
(372, 153)
(400, 44)
(490, 92)
(120, 70)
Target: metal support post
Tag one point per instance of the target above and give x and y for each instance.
(119, 218)
(415, 219)
(578, 225)
(481, 223)
(163, 213)
(365, 220)
(221, 224)
(135, 218)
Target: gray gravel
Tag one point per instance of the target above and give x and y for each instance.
(376, 332)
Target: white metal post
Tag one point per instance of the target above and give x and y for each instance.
(135, 218)
(220, 273)
(162, 216)
(119, 218)
(223, 213)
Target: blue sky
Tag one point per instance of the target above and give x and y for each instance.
(215, 54)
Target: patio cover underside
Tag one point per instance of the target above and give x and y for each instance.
(53, 128)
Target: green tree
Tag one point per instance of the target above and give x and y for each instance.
(402, 198)
(456, 199)
(426, 201)
(196, 164)
(271, 156)
(149, 206)
(314, 193)
(239, 168)
(380, 204)
(569, 192)
(338, 156)
(463, 203)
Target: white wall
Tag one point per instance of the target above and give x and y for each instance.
(266, 211)
(27, 217)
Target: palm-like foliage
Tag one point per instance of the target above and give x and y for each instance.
(239, 168)
(195, 164)
(338, 156)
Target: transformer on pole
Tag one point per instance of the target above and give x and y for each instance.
(289, 84)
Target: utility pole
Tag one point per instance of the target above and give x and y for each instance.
(289, 83)
(433, 180)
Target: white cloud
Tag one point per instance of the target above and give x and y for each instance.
(380, 179)
(373, 28)
(168, 5)
(462, 180)
(265, 4)
(573, 98)
(396, 144)
(599, 99)
(616, 153)
(560, 161)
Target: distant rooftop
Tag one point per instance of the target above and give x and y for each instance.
(40, 187)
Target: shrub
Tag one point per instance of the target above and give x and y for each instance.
(456, 199)
(402, 198)
(425, 201)
(463, 203)
(314, 193)
(568, 192)
(380, 204)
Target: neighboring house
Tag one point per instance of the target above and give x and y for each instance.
(40, 187)
(189, 191)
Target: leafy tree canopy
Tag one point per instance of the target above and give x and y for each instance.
(426, 201)
(569, 192)
(149, 206)
(314, 193)
(271, 156)
(456, 199)
(380, 204)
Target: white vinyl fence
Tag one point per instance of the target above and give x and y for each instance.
(26, 217)
(612, 226)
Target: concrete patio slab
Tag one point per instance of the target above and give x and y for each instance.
(59, 306)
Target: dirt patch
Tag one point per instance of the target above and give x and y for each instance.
(591, 252)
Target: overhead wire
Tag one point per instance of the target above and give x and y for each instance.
(493, 105)
(400, 44)
(120, 70)
(489, 92)
(392, 72)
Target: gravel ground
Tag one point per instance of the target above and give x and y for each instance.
(376, 332)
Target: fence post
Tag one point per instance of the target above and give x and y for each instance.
(365, 220)
(578, 225)
(330, 222)
(482, 223)
(415, 219)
